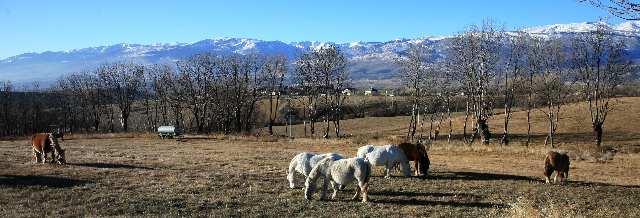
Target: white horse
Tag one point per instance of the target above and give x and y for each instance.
(385, 156)
(303, 163)
(339, 173)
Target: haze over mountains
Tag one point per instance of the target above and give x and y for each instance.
(370, 61)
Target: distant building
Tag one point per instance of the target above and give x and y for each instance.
(371, 91)
(348, 91)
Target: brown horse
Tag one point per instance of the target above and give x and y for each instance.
(418, 154)
(555, 161)
(44, 143)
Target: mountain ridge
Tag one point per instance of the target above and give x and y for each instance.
(369, 60)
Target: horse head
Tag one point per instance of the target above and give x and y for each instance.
(424, 158)
(320, 169)
(60, 156)
(406, 169)
(310, 187)
(59, 153)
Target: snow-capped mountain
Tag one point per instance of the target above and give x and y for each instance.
(631, 28)
(369, 60)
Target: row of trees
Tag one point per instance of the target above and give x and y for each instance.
(203, 93)
(521, 70)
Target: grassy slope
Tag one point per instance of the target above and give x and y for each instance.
(210, 175)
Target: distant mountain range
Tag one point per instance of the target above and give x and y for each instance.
(371, 62)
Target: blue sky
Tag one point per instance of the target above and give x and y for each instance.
(61, 25)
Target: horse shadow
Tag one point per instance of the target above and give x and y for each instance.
(53, 182)
(113, 166)
(481, 176)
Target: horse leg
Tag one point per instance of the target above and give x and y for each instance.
(291, 176)
(416, 163)
(563, 177)
(387, 172)
(362, 191)
(44, 159)
(325, 186)
(37, 156)
(335, 186)
(547, 174)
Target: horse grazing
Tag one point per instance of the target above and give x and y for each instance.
(303, 163)
(44, 143)
(555, 161)
(418, 154)
(339, 173)
(385, 156)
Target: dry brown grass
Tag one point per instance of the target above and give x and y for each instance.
(127, 175)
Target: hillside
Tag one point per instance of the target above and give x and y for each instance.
(574, 126)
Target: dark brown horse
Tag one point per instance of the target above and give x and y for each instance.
(555, 161)
(59, 135)
(418, 154)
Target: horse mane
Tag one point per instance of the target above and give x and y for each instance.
(321, 168)
(54, 143)
(59, 153)
(422, 150)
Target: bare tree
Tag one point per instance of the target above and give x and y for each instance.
(163, 93)
(417, 71)
(551, 89)
(599, 61)
(511, 80)
(196, 81)
(6, 89)
(123, 82)
(323, 74)
(334, 77)
(620, 8)
(474, 62)
(81, 101)
(275, 71)
(306, 81)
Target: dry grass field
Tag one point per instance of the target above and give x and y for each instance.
(126, 175)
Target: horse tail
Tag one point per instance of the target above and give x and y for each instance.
(368, 174)
(363, 191)
(365, 188)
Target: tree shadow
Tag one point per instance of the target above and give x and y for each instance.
(411, 199)
(583, 183)
(54, 182)
(535, 138)
(188, 139)
(110, 165)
